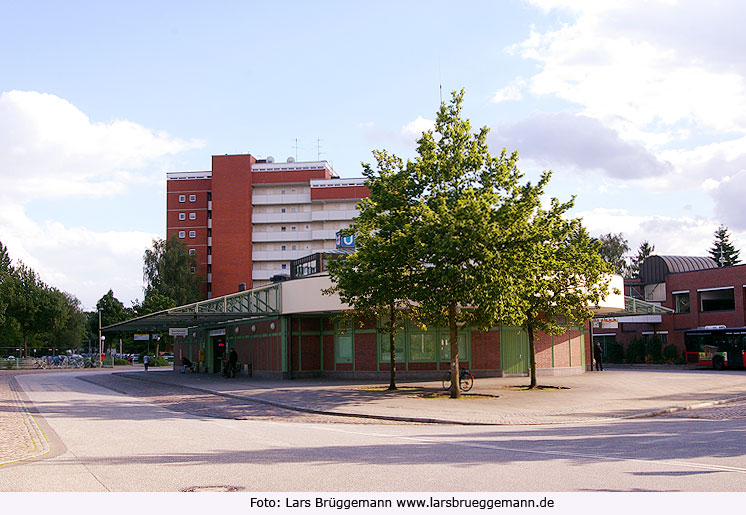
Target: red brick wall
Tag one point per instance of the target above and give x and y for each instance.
(485, 350)
(562, 350)
(365, 351)
(231, 223)
(328, 352)
(543, 347)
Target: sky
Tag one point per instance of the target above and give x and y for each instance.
(637, 107)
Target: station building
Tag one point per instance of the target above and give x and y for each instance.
(697, 292)
(292, 329)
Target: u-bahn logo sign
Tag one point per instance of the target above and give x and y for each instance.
(345, 242)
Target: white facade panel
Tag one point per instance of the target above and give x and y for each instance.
(262, 200)
(280, 217)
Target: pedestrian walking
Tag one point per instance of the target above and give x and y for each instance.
(598, 357)
(146, 361)
(232, 360)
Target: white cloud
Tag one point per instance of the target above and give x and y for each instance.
(49, 149)
(563, 139)
(513, 91)
(414, 129)
(671, 236)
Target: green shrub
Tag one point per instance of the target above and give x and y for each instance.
(614, 352)
(159, 362)
(118, 361)
(670, 353)
(653, 352)
(635, 351)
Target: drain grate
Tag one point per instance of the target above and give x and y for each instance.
(212, 488)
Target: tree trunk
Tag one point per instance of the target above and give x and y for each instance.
(392, 348)
(455, 383)
(532, 355)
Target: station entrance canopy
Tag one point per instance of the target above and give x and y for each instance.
(259, 302)
(635, 307)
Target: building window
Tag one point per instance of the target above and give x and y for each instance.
(282, 192)
(182, 234)
(192, 216)
(192, 252)
(399, 344)
(192, 198)
(293, 247)
(422, 347)
(182, 198)
(283, 228)
(284, 247)
(182, 216)
(292, 228)
(282, 210)
(720, 299)
(681, 302)
(192, 269)
(284, 267)
(192, 234)
(292, 210)
(292, 190)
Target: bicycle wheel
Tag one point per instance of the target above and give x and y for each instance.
(447, 381)
(467, 381)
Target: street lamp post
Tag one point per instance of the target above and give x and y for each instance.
(100, 339)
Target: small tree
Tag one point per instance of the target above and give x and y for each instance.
(723, 251)
(643, 252)
(560, 275)
(613, 248)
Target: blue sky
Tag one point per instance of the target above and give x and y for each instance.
(639, 109)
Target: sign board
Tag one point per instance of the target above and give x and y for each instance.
(345, 242)
(217, 332)
(178, 331)
(142, 337)
(605, 323)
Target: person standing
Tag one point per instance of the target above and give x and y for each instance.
(598, 356)
(232, 360)
(146, 361)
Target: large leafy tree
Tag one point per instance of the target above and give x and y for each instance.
(33, 305)
(5, 273)
(470, 207)
(167, 271)
(644, 251)
(560, 275)
(723, 251)
(613, 248)
(374, 280)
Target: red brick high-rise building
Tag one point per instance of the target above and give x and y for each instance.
(247, 218)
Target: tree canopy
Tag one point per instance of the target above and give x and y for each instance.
(613, 249)
(644, 251)
(723, 251)
(168, 270)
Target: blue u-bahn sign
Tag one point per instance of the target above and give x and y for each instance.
(345, 242)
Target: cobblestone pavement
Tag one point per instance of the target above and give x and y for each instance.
(20, 436)
(727, 411)
(188, 400)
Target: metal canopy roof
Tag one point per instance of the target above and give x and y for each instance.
(237, 306)
(634, 307)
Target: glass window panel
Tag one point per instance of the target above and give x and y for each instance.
(422, 347)
(399, 341)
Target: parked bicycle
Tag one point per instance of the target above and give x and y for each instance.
(466, 380)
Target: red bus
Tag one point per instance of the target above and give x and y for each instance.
(716, 346)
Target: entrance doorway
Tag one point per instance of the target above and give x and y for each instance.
(218, 353)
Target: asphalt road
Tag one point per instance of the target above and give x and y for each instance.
(146, 438)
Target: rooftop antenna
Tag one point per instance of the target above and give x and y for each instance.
(296, 149)
(318, 149)
(440, 82)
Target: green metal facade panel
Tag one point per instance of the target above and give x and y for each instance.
(514, 353)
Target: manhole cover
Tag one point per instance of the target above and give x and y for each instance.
(213, 488)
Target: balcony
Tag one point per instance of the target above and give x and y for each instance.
(325, 216)
(275, 199)
(278, 218)
(265, 275)
(280, 255)
(325, 234)
(288, 235)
